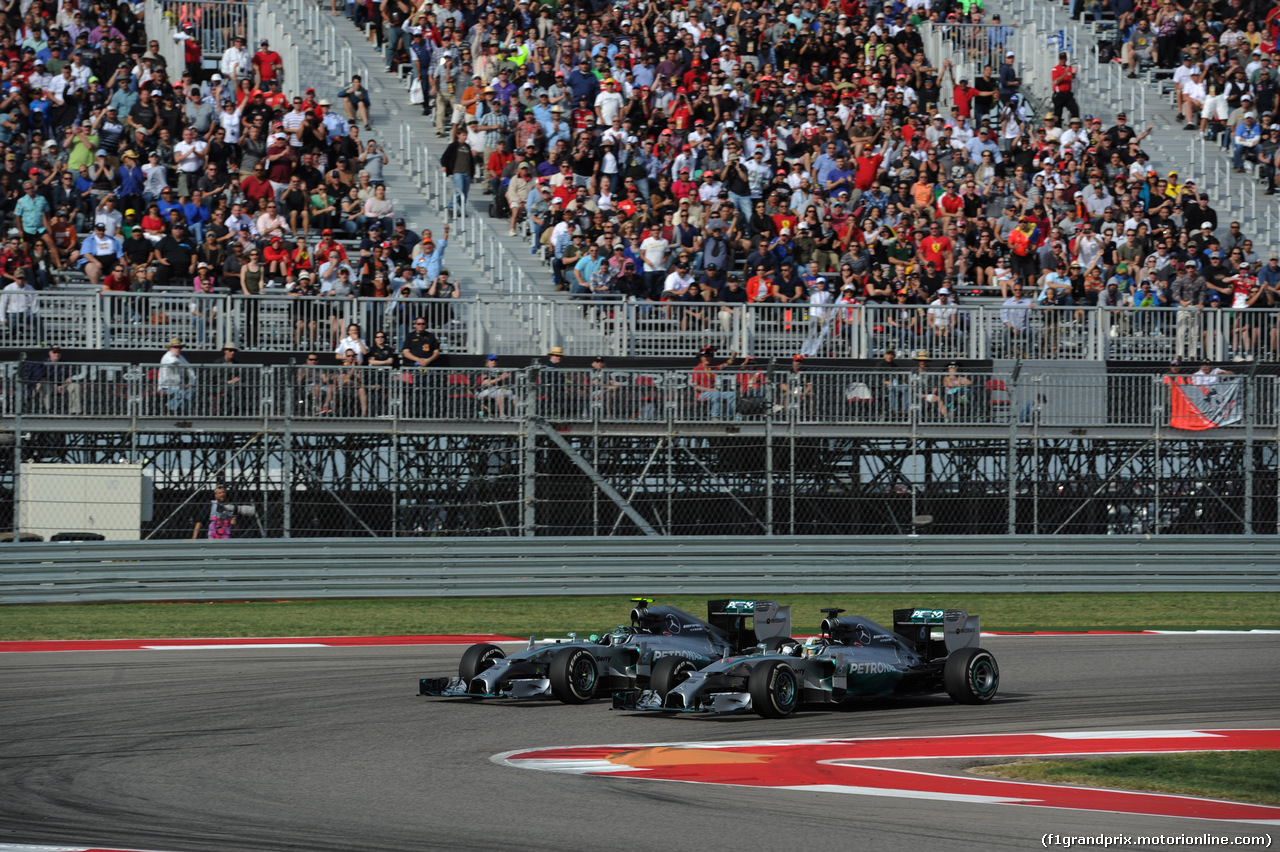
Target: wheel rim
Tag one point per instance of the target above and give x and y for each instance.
(784, 689)
(584, 674)
(983, 677)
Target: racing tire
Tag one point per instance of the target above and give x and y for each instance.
(574, 675)
(971, 676)
(476, 659)
(668, 673)
(774, 689)
(773, 645)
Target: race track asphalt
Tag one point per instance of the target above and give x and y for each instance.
(331, 750)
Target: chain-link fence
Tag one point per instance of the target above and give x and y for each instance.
(930, 446)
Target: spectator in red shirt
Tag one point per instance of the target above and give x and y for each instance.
(276, 257)
(328, 244)
(868, 167)
(257, 188)
(936, 248)
(950, 204)
(498, 161)
(268, 67)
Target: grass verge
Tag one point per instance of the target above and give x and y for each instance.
(1238, 776)
(558, 615)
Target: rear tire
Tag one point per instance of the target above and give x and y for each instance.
(773, 644)
(774, 689)
(574, 675)
(476, 659)
(971, 676)
(668, 673)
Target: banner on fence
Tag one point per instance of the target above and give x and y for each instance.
(1205, 406)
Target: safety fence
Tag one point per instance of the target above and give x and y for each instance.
(106, 571)
(309, 450)
(214, 24)
(932, 393)
(1035, 40)
(613, 326)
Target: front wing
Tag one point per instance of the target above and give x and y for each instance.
(648, 699)
(456, 687)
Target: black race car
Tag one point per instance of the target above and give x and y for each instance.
(660, 643)
(852, 659)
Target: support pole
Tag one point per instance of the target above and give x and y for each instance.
(594, 475)
(1011, 457)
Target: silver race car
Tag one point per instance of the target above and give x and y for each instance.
(851, 659)
(660, 645)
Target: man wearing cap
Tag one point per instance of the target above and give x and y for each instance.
(1193, 93)
(429, 257)
(1139, 45)
(608, 103)
(176, 380)
(236, 64)
(1010, 82)
(1188, 292)
(446, 86)
(19, 301)
(32, 216)
(703, 379)
(493, 385)
(57, 384)
(583, 83)
(422, 54)
(1064, 76)
(268, 67)
(1245, 141)
(231, 381)
(103, 31)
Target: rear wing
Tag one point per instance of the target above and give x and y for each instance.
(768, 620)
(959, 630)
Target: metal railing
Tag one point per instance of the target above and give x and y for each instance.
(83, 572)
(932, 394)
(214, 22)
(273, 323)
(511, 324)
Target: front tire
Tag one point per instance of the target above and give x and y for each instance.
(971, 676)
(774, 689)
(668, 673)
(574, 676)
(476, 659)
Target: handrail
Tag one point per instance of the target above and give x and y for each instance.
(526, 323)
(514, 393)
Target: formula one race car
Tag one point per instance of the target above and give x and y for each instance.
(660, 642)
(852, 659)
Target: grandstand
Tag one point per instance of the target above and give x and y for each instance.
(846, 205)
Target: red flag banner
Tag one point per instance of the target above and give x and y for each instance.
(1205, 406)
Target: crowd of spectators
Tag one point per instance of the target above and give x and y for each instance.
(219, 175)
(812, 153)
(1222, 56)
(683, 153)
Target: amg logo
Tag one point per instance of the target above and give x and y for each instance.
(870, 668)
